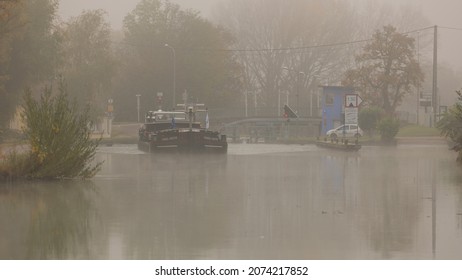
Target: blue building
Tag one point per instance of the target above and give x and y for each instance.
(332, 105)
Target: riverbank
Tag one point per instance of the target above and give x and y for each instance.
(127, 133)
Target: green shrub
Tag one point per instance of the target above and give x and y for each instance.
(388, 128)
(58, 133)
(368, 119)
(15, 165)
(451, 126)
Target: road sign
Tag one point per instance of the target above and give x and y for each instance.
(426, 101)
(351, 115)
(352, 100)
(359, 101)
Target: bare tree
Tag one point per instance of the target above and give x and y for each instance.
(281, 43)
(316, 40)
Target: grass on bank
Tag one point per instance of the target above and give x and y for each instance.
(413, 130)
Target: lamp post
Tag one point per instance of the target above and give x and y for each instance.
(298, 85)
(279, 103)
(246, 104)
(110, 110)
(138, 105)
(174, 74)
(298, 89)
(287, 93)
(314, 89)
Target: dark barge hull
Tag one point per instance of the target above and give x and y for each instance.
(339, 146)
(174, 147)
(174, 141)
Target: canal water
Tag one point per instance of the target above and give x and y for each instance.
(256, 202)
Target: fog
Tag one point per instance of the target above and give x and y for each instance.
(442, 13)
(117, 11)
(275, 80)
(122, 60)
(257, 202)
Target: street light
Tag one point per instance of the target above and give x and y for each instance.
(287, 93)
(314, 89)
(246, 104)
(298, 85)
(174, 74)
(298, 89)
(138, 105)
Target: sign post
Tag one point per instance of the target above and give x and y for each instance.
(352, 102)
(351, 115)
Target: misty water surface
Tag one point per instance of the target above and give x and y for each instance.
(257, 202)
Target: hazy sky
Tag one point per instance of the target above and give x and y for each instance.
(439, 12)
(118, 9)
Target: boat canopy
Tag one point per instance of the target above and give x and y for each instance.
(155, 116)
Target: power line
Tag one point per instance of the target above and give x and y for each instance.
(296, 48)
(307, 47)
(418, 30)
(450, 28)
(287, 49)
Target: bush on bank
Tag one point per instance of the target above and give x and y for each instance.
(59, 136)
(388, 128)
(451, 126)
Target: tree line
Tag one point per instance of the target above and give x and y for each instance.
(37, 49)
(263, 47)
(267, 48)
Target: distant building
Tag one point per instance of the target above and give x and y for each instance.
(332, 106)
(16, 122)
(101, 128)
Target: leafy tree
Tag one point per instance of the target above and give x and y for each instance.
(28, 48)
(203, 69)
(59, 136)
(89, 63)
(386, 71)
(11, 27)
(451, 126)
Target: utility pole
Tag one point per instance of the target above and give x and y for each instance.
(434, 92)
(435, 74)
(418, 87)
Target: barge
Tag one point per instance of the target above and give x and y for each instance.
(180, 131)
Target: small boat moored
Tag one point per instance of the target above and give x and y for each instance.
(344, 145)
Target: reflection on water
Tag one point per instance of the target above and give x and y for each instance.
(258, 202)
(45, 220)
